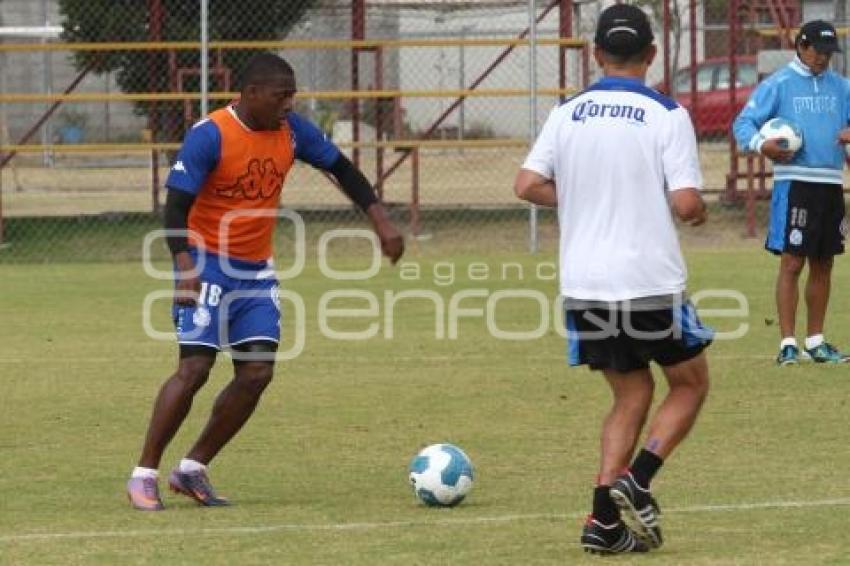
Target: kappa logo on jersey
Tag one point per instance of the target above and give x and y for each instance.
(179, 167)
(261, 180)
(590, 109)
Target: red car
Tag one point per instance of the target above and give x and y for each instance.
(713, 114)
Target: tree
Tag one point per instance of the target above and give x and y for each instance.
(149, 71)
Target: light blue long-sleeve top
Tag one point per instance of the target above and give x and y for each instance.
(818, 104)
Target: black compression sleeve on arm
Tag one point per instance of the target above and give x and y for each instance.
(177, 205)
(353, 183)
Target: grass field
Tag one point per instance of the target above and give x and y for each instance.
(319, 474)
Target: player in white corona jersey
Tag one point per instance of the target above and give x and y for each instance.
(614, 160)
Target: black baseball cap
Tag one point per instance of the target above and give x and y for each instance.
(623, 29)
(819, 34)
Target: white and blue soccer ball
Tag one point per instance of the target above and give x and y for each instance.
(788, 133)
(441, 475)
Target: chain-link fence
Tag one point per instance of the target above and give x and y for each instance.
(431, 99)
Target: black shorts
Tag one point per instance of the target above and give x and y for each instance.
(627, 340)
(807, 219)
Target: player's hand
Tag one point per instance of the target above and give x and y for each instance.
(699, 217)
(775, 152)
(688, 206)
(844, 136)
(392, 242)
(187, 284)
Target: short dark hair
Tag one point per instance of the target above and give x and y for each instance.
(262, 67)
(632, 59)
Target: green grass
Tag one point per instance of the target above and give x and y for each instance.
(319, 474)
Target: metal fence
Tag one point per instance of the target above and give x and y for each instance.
(435, 100)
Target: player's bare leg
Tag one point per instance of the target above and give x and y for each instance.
(678, 412)
(817, 293)
(817, 297)
(604, 530)
(787, 298)
(787, 292)
(688, 388)
(632, 399)
(170, 409)
(233, 406)
(172, 405)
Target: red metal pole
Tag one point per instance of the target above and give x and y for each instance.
(565, 29)
(379, 122)
(358, 32)
(692, 40)
(666, 45)
(781, 15)
(585, 66)
(414, 196)
(155, 14)
(398, 118)
(732, 178)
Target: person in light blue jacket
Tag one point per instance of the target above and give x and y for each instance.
(807, 209)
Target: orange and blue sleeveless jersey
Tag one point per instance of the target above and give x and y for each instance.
(237, 175)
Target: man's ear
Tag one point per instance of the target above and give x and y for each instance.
(250, 91)
(599, 56)
(651, 53)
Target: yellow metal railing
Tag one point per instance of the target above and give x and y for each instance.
(26, 97)
(288, 44)
(147, 147)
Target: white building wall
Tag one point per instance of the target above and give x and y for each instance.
(40, 72)
(439, 68)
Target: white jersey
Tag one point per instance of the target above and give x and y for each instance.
(613, 151)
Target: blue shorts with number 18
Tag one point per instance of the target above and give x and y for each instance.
(238, 303)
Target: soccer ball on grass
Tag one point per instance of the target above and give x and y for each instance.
(441, 475)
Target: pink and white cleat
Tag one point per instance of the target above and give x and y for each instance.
(143, 494)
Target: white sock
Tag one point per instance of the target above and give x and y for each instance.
(140, 472)
(788, 341)
(813, 342)
(188, 466)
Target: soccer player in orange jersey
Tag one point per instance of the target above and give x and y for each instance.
(223, 191)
